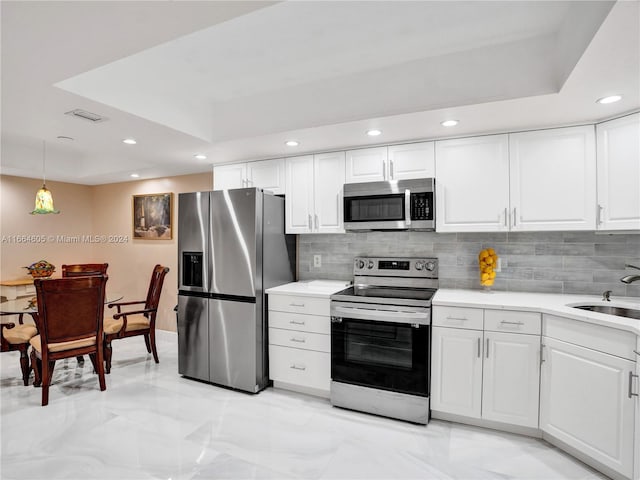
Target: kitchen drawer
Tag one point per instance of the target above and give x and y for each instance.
(513, 321)
(300, 322)
(460, 317)
(300, 367)
(296, 339)
(299, 304)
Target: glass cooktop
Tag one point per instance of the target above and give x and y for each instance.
(373, 294)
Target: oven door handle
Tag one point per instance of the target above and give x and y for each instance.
(407, 207)
(419, 318)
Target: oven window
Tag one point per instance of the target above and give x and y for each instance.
(381, 345)
(374, 208)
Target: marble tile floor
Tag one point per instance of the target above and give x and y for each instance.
(151, 423)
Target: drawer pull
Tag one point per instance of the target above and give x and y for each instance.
(297, 340)
(506, 322)
(462, 319)
(296, 367)
(296, 304)
(294, 322)
(631, 376)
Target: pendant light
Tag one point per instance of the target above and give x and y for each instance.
(44, 200)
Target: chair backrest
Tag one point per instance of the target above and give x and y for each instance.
(70, 308)
(155, 286)
(84, 269)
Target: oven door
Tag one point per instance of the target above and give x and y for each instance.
(383, 346)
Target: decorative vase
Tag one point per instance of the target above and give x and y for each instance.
(487, 261)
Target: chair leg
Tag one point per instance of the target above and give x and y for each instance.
(147, 342)
(24, 365)
(152, 337)
(107, 355)
(92, 357)
(36, 364)
(99, 363)
(47, 374)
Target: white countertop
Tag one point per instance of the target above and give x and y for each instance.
(310, 288)
(554, 304)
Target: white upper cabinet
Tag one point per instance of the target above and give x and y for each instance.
(618, 166)
(472, 184)
(413, 160)
(552, 179)
(266, 174)
(314, 186)
(396, 162)
(366, 165)
(229, 176)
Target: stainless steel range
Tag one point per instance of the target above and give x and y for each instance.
(380, 338)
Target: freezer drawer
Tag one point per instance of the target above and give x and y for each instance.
(193, 337)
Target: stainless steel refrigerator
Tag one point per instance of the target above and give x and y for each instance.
(231, 247)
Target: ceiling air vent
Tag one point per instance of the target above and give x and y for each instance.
(83, 114)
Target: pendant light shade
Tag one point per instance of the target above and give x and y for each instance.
(44, 200)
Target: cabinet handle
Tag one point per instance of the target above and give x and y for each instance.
(316, 218)
(487, 348)
(514, 216)
(599, 215)
(298, 340)
(511, 323)
(390, 169)
(506, 216)
(479, 347)
(631, 376)
(295, 367)
(294, 322)
(542, 347)
(296, 304)
(462, 319)
(384, 170)
(310, 226)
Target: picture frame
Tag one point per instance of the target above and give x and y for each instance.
(152, 216)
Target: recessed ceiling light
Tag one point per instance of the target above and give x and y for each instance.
(292, 143)
(449, 123)
(374, 132)
(200, 156)
(134, 175)
(129, 141)
(609, 99)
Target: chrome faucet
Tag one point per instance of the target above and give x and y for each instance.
(630, 278)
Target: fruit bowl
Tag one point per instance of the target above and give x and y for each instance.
(41, 269)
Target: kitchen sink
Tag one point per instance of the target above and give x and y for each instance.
(611, 310)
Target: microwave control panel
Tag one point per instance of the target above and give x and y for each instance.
(421, 206)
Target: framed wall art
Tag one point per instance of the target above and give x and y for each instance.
(152, 215)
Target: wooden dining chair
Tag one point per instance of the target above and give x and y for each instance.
(16, 337)
(70, 323)
(136, 322)
(84, 269)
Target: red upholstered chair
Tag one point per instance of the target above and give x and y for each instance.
(16, 337)
(136, 322)
(84, 269)
(70, 323)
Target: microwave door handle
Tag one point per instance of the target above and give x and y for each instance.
(407, 207)
(421, 318)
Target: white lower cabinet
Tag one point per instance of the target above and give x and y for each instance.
(489, 375)
(300, 343)
(587, 403)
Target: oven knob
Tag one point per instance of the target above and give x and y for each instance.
(359, 264)
(419, 265)
(431, 266)
(370, 264)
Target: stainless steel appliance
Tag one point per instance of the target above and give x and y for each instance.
(231, 247)
(392, 205)
(380, 338)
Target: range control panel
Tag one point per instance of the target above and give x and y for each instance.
(396, 267)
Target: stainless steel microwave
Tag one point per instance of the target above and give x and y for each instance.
(392, 205)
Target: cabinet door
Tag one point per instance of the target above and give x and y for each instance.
(230, 176)
(585, 402)
(299, 201)
(328, 181)
(456, 371)
(414, 160)
(472, 183)
(618, 161)
(553, 179)
(366, 165)
(268, 175)
(511, 378)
